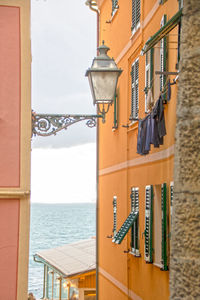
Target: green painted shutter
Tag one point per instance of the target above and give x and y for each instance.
(164, 226)
(125, 228)
(115, 125)
(148, 224)
(171, 199)
(114, 215)
(163, 58)
(135, 14)
(135, 90)
(135, 227)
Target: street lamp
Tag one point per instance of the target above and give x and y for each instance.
(103, 77)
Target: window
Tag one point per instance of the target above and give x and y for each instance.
(114, 6)
(135, 15)
(135, 226)
(135, 90)
(148, 232)
(148, 76)
(114, 215)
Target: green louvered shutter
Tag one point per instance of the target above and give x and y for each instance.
(115, 125)
(163, 58)
(148, 224)
(135, 90)
(135, 227)
(114, 215)
(148, 73)
(164, 226)
(135, 15)
(125, 227)
(171, 199)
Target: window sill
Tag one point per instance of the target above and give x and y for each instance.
(136, 254)
(135, 31)
(157, 265)
(132, 126)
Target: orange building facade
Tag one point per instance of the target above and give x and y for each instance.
(15, 130)
(136, 164)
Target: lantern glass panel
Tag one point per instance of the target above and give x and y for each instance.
(103, 85)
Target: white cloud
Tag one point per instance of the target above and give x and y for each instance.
(63, 46)
(64, 175)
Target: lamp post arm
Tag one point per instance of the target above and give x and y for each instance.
(50, 124)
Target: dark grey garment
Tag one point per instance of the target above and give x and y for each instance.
(158, 113)
(141, 140)
(139, 137)
(148, 134)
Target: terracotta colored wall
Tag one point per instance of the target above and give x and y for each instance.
(120, 167)
(9, 239)
(10, 98)
(15, 132)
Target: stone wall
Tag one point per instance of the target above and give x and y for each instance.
(185, 253)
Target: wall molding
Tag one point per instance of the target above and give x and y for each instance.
(119, 285)
(164, 154)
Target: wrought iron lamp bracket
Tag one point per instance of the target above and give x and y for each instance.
(50, 124)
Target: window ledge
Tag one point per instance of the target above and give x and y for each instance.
(132, 126)
(157, 265)
(135, 30)
(135, 254)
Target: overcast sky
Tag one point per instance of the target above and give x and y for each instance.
(63, 47)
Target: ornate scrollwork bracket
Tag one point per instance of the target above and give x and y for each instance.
(50, 124)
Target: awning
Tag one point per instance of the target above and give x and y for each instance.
(70, 259)
(118, 238)
(162, 32)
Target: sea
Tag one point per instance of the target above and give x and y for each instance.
(54, 225)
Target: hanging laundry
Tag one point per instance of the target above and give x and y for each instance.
(151, 129)
(168, 90)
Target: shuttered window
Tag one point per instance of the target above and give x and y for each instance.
(135, 90)
(171, 199)
(163, 57)
(114, 5)
(164, 227)
(114, 215)
(135, 15)
(135, 227)
(148, 74)
(148, 233)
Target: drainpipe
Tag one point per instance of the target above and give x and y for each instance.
(93, 6)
